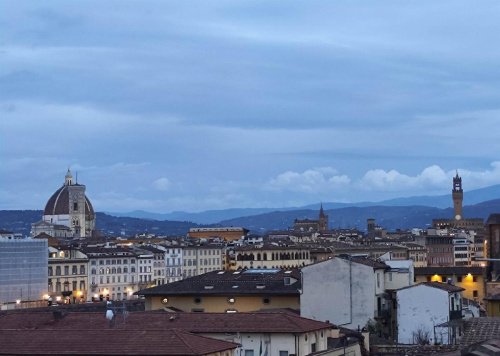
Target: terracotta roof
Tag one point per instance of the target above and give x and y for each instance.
(450, 288)
(462, 271)
(58, 203)
(108, 252)
(73, 341)
(242, 282)
(480, 329)
(258, 322)
(367, 262)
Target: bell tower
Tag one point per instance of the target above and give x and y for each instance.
(458, 197)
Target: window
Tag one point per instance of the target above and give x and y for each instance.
(58, 270)
(474, 279)
(74, 270)
(66, 270)
(82, 269)
(475, 293)
(50, 271)
(74, 285)
(197, 300)
(313, 347)
(283, 353)
(249, 353)
(459, 279)
(75, 206)
(266, 300)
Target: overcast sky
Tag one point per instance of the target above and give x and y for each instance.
(196, 105)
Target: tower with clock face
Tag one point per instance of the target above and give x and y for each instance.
(458, 197)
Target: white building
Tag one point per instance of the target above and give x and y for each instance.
(346, 291)
(173, 263)
(113, 273)
(424, 312)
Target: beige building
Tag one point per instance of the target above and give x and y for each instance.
(113, 273)
(68, 275)
(472, 279)
(417, 253)
(269, 256)
(225, 233)
(201, 259)
(225, 291)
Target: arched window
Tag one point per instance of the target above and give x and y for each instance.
(125, 270)
(119, 270)
(258, 256)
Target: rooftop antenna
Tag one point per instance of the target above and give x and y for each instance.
(76, 173)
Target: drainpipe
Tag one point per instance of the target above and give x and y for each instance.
(350, 293)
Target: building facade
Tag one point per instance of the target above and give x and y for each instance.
(68, 275)
(23, 271)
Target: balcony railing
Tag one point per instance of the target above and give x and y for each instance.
(455, 314)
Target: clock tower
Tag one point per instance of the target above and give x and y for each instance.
(458, 197)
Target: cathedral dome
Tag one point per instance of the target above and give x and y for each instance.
(58, 204)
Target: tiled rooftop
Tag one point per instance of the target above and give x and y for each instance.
(73, 341)
(241, 282)
(258, 322)
(480, 329)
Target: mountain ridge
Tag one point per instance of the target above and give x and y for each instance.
(214, 216)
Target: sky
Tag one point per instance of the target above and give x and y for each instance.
(198, 105)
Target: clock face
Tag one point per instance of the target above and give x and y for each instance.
(457, 217)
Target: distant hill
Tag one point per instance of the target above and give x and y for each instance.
(389, 217)
(21, 220)
(214, 216)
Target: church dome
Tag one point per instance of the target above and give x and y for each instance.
(58, 204)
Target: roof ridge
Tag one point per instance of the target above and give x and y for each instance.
(178, 333)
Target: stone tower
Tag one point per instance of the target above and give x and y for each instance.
(458, 197)
(323, 220)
